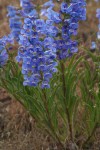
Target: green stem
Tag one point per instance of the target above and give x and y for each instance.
(66, 108)
(89, 138)
(49, 118)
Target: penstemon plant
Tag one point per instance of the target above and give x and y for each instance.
(44, 75)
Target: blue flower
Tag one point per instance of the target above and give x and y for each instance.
(3, 54)
(14, 22)
(27, 6)
(98, 13)
(11, 11)
(93, 46)
(37, 53)
(43, 42)
(64, 7)
(98, 16)
(66, 23)
(49, 4)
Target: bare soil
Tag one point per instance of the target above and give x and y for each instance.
(18, 130)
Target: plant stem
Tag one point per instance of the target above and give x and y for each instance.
(49, 118)
(64, 92)
(91, 135)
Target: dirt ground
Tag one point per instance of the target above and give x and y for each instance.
(18, 131)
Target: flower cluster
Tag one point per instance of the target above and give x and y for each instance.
(27, 8)
(3, 53)
(93, 43)
(44, 42)
(67, 20)
(98, 16)
(37, 51)
(14, 22)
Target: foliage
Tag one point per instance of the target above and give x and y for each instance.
(58, 109)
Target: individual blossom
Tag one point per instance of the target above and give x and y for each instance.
(27, 6)
(8, 39)
(49, 4)
(93, 46)
(28, 9)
